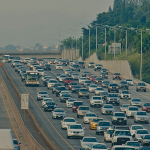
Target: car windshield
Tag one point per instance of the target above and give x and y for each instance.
(76, 66)
(103, 73)
(75, 74)
(73, 83)
(93, 85)
(89, 140)
(75, 127)
(128, 79)
(87, 82)
(90, 115)
(104, 124)
(78, 103)
(93, 76)
(108, 106)
(133, 108)
(126, 133)
(48, 100)
(133, 143)
(69, 78)
(99, 79)
(84, 108)
(97, 97)
(84, 90)
(69, 120)
(136, 100)
(66, 95)
(99, 146)
(118, 74)
(59, 65)
(104, 93)
(59, 110)
(76, 86)
(86, 72)
(58, 74)
(123, 82)
(83, 79)
(120, 114)
(57, 85)
(97, 119)
(137, 127)
(52, 81)
(63, 76)
(61, 88)
(113, 95)
(15, 142)
(43, 92)
(105, 82)
(141, 84)
(110, 131)
(71, 100)
(113, 84)
(142, 132)
(100, 89)
(81, 63)
(91, 63)
(147, 137)
(146, 104)
(124, 148)
(125, 92)
(50, 103)
(125, 105)
(141, 113)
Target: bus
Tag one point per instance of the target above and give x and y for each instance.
(5, 58)
(32, 78)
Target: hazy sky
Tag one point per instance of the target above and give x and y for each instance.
(27, 22)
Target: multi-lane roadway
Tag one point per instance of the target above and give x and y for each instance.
(53, 126)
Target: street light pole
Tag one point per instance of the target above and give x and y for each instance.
(59, 43)
(96, 39)
(105, 43)
(126, 44)
(89, 41)
(82, 46)
(76, 49)
(141, 58)
(114, 43)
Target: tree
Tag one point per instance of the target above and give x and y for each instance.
(109, 10)
(38, 47)
(10, 47)
(123, 13)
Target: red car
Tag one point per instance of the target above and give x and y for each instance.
(68, 80)
(93, 77)
(88, 75)
(146, 107)
(71, 84)
(117, 76)
(75, 105)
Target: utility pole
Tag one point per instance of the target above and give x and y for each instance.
(89, 41)
(126, 44)
(96, 39)
(59, 43)
(82, 46)
(141, 58)
(76, 49)
(105, 43)
(114, 43)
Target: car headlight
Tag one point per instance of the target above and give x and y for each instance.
(116, 87)
(118, 99)
(70, 131)
(98, 127)
(115, 139)
(125, 118)
(81, 131)
(138, 137)
(115, 118)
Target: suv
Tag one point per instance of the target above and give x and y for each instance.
(75, 105)
(55, 87)
(41, 95)
(81, 64)
(113, 87)
(117, 76)
(82, 110)
(47, 67)
(68, 80)
(76, 68)
(141, 86)
(113, 98)
(59, 89)
(96, 101)
(83, 92)
(123, 85)
(98, 67)
(119, 118)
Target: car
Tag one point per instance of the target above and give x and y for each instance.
(92, 88)
(64, 92)
(107, 109)
(123, 147)
(75, 76)
(129, 81)
(146, 107)
(91, 65)
(82, 110)
(70, 73)
(113, 98)
(85, 73)
(102, 126)
(23, 77)
(58, 66)
(72, 84)
(135, 144)
(51, 83)
(141, 116)
(131, 110)
(64, 97)
(81, 64)
(104, 95)
(123, 85)
(88, 75)
(67, 121)
(45, 100)
(99, 146)
(87, 83)
(120, 137)
(67, 71)
(98, 80)
(50, 106)
(55, 87)
(139, 134)
(47, 67)
(99, 91)
(42, 94)
(96, 101)
(141, 87)
(58, 113)
(59, 89)
(16, 144)
(75, 105)
(94, 122)
(82, 80)
(69, 102)
(64, 62)
(105, 83)
(136, 102)
(104, 75)
(58, 75)
(75, 67)
(104, 70)
(46, 79)
(146, 140)
(62, 77)
(108, 135)
(68, 80)
(134, 127)
(87, 142)
(125, 94)
(113, 87)
(75, 130)
(119, 118)
(70, 67)
(124, 107)
(89, 116)
(93, 78)
(97, 67)
(75, 88)
(83, 92)
(116, 76)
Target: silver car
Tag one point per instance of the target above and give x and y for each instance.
(124, 107)
(107, 109)
(42, 94)
(136, 102)
(58, 113)
(146, 140)
(108, 134)
(133, 128)
(89, 116)
(67, 121)
(135, 144)
(131, 111)
(141, 116)
(96, 101)
(75, 76)
(82, 110)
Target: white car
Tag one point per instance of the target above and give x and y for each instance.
(125, 94)
(58, 113)
(139, 134)
(99, 90)
(67, 71)
(62, 77)
(141, 116)
(108, 134)
(82, 80)
(96, 101)
(92, 88)
(136, 102)
(82, 110)
(41, 72)
(107, 109)
(87, 142)
(135, 144)
(75, 76)
(133, 128)
(91, 65)
(67, 121)
(124, 107)
(43, 77)
(64, 92)
(41, 95)
(99, 146)
(69, 102)
(129, 81)
(45, 100)
(89, 116)
(51, 83)
(59, 66)
(131, 111)
(75, 130)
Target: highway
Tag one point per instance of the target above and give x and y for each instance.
(53, 126)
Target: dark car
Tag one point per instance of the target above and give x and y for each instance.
(123, 85)
(64, 62)
(49, 106)
(98, 80)
(105, 84)
(81, 64)
(104, 75)
(113, 87)
(85, 73)
(55, 87)
(104, 95)
(75, 105)
(47, 67)
(59, 89)
(76, 67)
(75, 88)
(72, 84)
(64, 97)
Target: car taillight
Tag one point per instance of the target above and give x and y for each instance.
(17, 145)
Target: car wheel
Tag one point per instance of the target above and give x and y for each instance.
(77, 116)
(91, 105)
(78, 96)
(144, 90)
(68, 137)
(56, 95)
(53, 92)
(87, 96)
(137, 90)
(97, 133)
